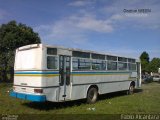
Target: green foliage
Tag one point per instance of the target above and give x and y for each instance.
(154, 65)
(144, 61)
(144, 65)
(149, 66)
(12, 36)
(145, 56)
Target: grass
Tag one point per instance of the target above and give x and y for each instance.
(144, 101)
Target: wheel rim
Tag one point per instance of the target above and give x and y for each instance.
(92, 95)
(131, 89)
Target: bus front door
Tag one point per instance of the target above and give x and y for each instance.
(64, 77)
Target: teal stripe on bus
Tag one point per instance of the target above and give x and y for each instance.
(100, 72)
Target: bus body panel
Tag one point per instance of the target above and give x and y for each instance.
(98, 77)
(28, 81)
(105, 83)
(52, 94)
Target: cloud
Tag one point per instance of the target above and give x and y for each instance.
(80, 3)
(114, 17)
(73, 29)
(93, 24)
(148, 20)
(63, 32)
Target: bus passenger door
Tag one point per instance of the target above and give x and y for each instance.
(64, 77)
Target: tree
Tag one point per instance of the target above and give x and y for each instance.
(12, 36)
(145, 56)
(144, 61)
(154, 65)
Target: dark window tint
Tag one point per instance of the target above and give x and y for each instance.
(52, 62)
(111, 65)
(52, 51)
(81, 54)
(131, 60)
(122, 59)
(98, 56)
(113, 58)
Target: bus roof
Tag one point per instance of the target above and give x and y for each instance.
(71, 49)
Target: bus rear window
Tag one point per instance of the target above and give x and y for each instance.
(28, 59)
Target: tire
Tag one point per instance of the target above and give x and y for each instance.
(131, 89)
(92, 95)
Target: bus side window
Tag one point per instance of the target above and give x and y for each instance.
(75, 63)
(111, 65)
(132, 66)
(98, 65)
(81, 64)
(52, 62)
(122, 66)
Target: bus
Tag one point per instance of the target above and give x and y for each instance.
(54, 73)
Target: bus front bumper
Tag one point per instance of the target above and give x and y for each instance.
(36, 98)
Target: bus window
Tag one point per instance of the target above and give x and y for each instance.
(111, 65)
(122, 59)
(98, 65)
(122, 66)
(113, 58)
(98, 56)
(81, 64)
(131, 60)
(52, 51)
(132, 66)
(52, 62)
(80, 54)
(75, 63)
(84, 64)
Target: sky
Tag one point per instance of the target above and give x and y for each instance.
(109, 26)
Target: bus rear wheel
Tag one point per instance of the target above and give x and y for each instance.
(92, 95)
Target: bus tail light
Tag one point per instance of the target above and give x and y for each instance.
(38, 90)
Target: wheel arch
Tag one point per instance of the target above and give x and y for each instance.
(94, 86)
(133, 83)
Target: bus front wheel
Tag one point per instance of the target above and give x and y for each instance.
(92, 95)
(131, 89)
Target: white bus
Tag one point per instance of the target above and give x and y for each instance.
(51, 73)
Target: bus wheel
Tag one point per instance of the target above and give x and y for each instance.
(92, 95)
(131, 89)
